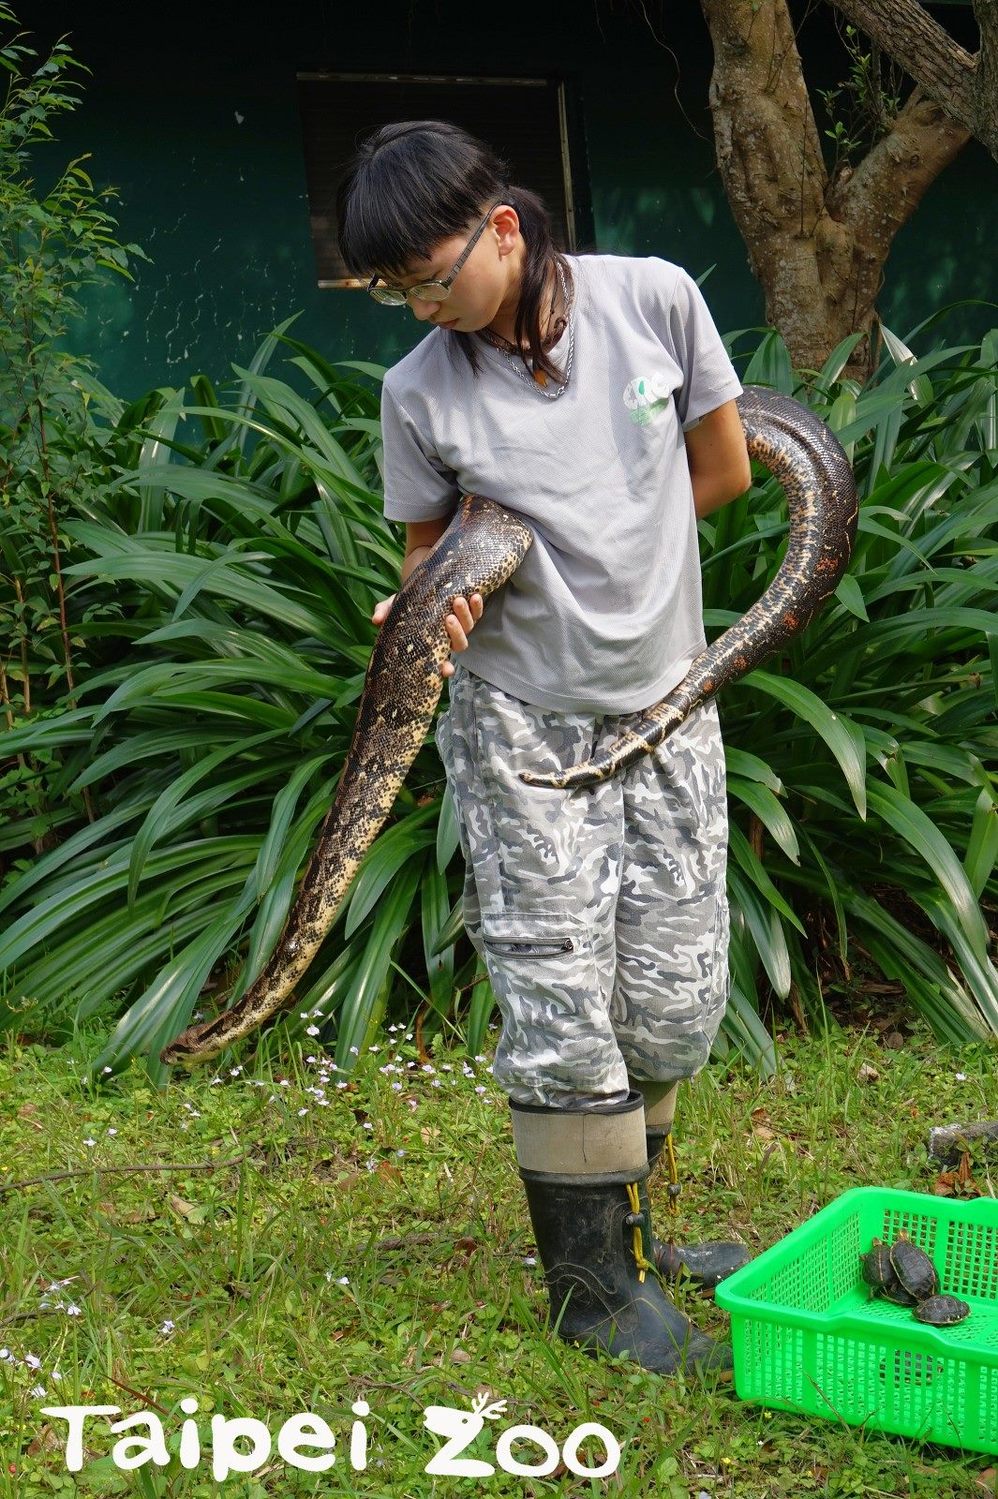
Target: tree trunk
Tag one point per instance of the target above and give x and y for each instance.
(986, 128)
(817, 245)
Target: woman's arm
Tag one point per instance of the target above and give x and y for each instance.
(718, 459)
(420, 539)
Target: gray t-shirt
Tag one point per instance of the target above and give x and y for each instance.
(605, 613)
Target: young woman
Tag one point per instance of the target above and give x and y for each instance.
(592, 395)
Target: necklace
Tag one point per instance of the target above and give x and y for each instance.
(538, 379)
(556, 328)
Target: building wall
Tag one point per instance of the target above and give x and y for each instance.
(194, 120)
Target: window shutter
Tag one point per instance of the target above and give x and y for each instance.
(523, 119)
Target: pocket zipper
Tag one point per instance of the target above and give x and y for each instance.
(541, 949)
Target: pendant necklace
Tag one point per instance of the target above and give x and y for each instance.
(538, 379)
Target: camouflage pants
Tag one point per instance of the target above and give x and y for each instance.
(601, 914)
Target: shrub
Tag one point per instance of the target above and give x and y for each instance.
(243, 572)
(52, 445)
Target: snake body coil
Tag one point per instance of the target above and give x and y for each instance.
(480, 550)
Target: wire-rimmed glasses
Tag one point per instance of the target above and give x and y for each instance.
(429, 291)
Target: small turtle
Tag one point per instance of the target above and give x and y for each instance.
(877, 1268)
(878, 1272)
(941, 1311)
(914, 1269)
(897, 1293)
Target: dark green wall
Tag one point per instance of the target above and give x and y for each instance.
(192, 116)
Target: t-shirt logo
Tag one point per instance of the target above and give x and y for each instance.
(646, 397)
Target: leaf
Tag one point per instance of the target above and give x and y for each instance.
(451, 929)
(68, 902)
(186, 1210)
(843, 737)
(920, 833)
(383, 861)
(163, 815)
(978, 970)
(435, 906)
(773, 816)
(921, 386)
(159, 428)
(770, 365)
(763, 923)
(838, 359)
(164, 1009)
(842, 414)
(982, 849)
(747, 860)
(274, 845)
(850, 594)
(742, 1027)
(448, 835)
(367, 992)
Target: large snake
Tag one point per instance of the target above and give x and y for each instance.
(480, 550)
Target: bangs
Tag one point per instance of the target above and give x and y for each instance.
(409, 191)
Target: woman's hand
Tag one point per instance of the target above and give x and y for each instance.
(459, 623)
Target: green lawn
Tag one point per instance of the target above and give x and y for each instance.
(370, 1242)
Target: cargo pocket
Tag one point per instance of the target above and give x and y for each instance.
(531, 948)
(538, 936)
(556, 1032)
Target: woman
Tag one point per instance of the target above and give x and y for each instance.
(593, 396)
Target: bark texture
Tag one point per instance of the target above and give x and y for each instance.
(816, 244)
(965, 84)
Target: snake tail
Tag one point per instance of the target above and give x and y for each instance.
(807, 459)
(481, 548)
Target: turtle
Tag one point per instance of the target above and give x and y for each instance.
(896, 1292)
(877, 1268)
(880, 1276)
(941, 1311)
(913, 1268)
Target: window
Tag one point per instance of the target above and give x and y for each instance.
(531, 122)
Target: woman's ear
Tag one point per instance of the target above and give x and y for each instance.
(506, 225)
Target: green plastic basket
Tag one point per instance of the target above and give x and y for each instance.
(808, 1337)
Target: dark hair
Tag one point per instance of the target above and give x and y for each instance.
(412, 184)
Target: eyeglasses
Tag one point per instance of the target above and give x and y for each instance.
(429, 291)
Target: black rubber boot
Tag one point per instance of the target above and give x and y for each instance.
(704, 1264)
(591, 1228)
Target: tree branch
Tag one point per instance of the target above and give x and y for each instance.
(939, 65)
(892, 178)
(986, 129)
(818, 246)
(61, 1176)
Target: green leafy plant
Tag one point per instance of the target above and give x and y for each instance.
(864, 105)
(52, 244)
(244, 573)
(243, 542)
(863, 759)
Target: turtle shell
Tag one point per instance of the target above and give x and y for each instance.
(942, 1311)
(896, 1292)
(913, 1268)
(877, 1268)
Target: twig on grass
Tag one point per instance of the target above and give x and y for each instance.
(139, 1395)
(58, 1176)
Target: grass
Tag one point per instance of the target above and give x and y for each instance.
(368, 1240)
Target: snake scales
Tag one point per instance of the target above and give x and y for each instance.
(480, 550)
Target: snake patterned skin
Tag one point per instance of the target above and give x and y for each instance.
(808, 460)
(480, 550)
